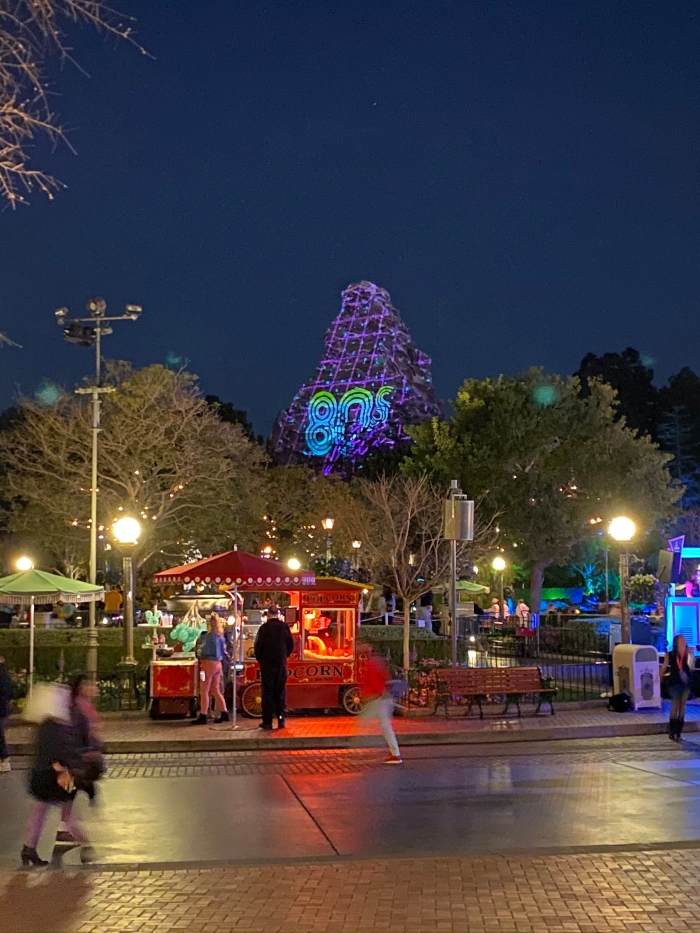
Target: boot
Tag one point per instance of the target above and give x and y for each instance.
(201, 720)
(672, 728)
(222, 717)
(680, 722)
(31, 857)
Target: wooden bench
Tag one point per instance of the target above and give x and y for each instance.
(477, 683)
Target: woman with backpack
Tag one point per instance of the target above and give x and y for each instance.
(678, 665)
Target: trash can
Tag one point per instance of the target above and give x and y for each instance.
(636, 673)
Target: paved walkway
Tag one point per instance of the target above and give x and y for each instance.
(136, 733)
(655, 891)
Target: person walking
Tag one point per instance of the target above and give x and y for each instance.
(5, 697)
(273, 646)
(212, 652)
(386, 604)
(678, 665)
(379, 702)
(86, 723)
(56, 768)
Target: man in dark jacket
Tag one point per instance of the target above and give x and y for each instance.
(273, 646)
(5, 697)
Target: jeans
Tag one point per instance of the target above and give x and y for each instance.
(382, 709)
(37, 818)
(4, 750)
(274, 696)
(211, 684)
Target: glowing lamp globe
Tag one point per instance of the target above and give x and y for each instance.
(357, 544)
(24, 563)
(294, 564)
(622, 529)
(498, 564)
(127, 530)
(328, 524)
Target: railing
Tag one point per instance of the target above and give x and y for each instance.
(574, 653)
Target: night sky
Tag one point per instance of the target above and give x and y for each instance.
(523, 177)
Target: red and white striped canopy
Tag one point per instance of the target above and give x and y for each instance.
(236, 568)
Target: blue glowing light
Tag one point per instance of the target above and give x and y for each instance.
(545, 395)
(48, 393)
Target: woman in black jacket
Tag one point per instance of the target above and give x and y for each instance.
(56, 769)
(678, 665)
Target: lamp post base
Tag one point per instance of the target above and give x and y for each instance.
(129, 697)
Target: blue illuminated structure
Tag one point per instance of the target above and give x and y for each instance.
(370, 384)
(683, 612)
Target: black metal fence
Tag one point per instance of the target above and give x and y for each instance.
(574, 654)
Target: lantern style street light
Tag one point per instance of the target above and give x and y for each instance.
(622, 530)
(328, 524)
(88, 332)
(356, 545)
(126, 532)
(499, 565)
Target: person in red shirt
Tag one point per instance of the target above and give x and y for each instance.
(379, 703)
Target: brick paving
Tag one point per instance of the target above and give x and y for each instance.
(136, 732)
(655, 891)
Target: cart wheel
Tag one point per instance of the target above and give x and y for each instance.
(154, 711)
(251, 701)
(350, 700)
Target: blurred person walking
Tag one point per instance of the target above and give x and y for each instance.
(54, 776)
(678, 665)
(273, 646)
(5, 697)
(379, 702)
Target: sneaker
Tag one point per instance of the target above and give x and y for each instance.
(87, 855)
(5, 766)
(393, 760)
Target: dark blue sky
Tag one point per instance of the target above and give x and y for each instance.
(523, 177)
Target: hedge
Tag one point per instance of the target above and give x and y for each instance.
(388, 639)
(48, 645)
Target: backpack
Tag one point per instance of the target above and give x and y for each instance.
(620, 703)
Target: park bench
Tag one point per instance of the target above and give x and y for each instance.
(475, 684)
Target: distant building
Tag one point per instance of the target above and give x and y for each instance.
(370, 384)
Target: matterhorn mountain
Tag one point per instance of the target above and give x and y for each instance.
(370, 384)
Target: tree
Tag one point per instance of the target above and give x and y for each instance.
(549, 460)
(296, 502)
(399, 521)
(32, 32)
(679, 432)
(632, 379)
(228, 413)
(192, 480)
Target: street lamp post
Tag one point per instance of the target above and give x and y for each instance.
(88, 332)
(356, 545)
(127, 531)
(623, 530)
(328, 524)
(499, 565)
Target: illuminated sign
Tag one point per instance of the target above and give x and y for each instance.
(327, 600)
(337, 424)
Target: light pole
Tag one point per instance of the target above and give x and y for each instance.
(499, 565)
(88, 332)
(356, 545)
(622, 530)
(328, 524)
(127, 531)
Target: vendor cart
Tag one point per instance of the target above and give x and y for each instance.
(174, 685)
(323, 616)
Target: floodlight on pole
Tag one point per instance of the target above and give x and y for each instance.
(24, 563)
(88, 332)
(622, 530)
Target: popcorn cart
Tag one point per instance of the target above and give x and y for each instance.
(323, 616)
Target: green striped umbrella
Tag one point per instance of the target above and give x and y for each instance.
(28, 587)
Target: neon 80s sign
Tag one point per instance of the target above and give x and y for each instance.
(330, 422)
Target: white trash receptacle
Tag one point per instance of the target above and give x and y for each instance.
(636, 673)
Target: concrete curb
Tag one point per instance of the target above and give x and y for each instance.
(618, 728)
